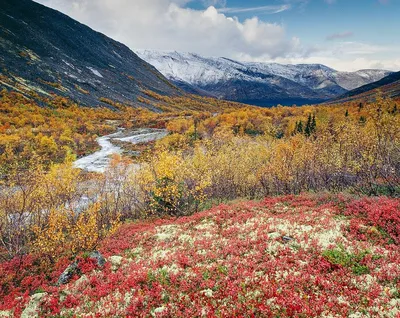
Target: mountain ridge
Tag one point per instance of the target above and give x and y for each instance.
(256, 83)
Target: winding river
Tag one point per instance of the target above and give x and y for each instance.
(100, 160)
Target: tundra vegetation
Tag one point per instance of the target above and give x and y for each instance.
(348, 155)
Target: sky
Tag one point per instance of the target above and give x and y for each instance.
(346, 35)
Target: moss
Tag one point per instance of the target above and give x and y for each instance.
(341, 257)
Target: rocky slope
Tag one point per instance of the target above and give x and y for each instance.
(44, 51)
(257, 83)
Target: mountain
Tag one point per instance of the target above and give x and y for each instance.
(389, 86)
(44, 51)
(261, 84)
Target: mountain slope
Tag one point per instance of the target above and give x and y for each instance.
(389, 86)
(257, 83)
(45, 51)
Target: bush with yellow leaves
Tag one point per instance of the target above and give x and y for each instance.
(172, 185)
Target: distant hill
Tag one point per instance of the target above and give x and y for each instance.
(262, 84)
(44, 51)
(389, 86)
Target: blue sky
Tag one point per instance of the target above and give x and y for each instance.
(343, 34)
(368, 20)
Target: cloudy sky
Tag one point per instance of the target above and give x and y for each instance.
(344, 34)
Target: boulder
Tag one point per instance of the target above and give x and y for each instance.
(73, 269)
(98, 257)
(67, 275)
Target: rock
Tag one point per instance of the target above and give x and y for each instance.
(287, 238)
(31, 310)
(98, 257)
(73, 269)
(115, 262)
(69, 272)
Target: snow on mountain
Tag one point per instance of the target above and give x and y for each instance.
(256, 83)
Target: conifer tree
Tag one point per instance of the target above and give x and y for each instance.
(307, 130)
(300, 127)
(313, 124)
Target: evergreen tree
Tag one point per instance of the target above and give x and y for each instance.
(300, 127)
(347, 113)
(313, 124)
(307, 130)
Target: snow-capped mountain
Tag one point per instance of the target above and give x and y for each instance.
(257, 83)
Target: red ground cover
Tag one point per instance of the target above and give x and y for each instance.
(292, 256)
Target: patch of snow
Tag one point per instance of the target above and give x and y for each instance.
(117, 54)
(201, 71)
(94, 71)
(69, 64)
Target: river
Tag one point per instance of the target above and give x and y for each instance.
(100, 160)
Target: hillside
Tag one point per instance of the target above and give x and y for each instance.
(389, 86)
(288, 256)
(43, 51)
(262, 84)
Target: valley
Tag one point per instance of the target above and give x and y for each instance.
(158, 183)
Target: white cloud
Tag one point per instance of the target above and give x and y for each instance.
(341, 35)
(262, 9)
(169, 25)
(344, 56)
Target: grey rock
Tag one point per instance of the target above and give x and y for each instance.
(73, 269)
(67, 275)
(98, 257)
(286, 238)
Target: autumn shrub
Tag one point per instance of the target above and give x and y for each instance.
(382, 213)
(172, 185)
(49, 213)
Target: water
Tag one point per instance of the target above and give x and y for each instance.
(100, 160)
